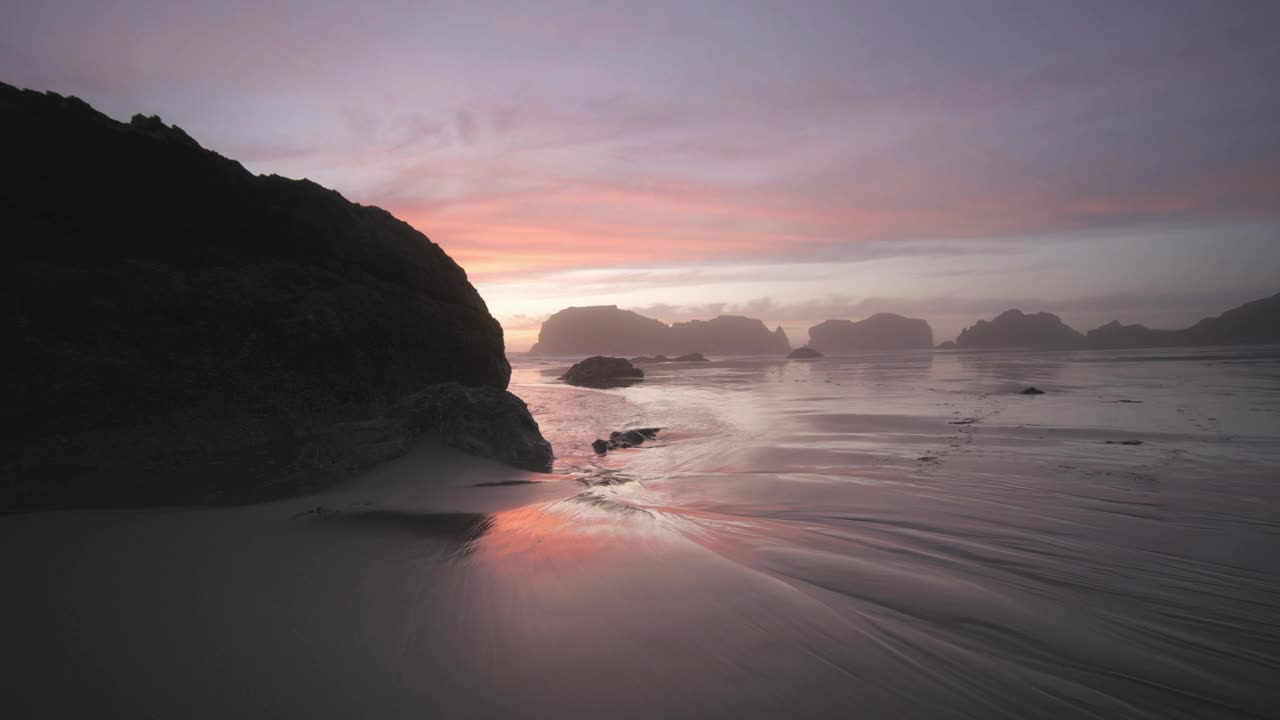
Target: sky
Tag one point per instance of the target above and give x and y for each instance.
(792, 161)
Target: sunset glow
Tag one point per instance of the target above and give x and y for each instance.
(559, 359)
(911, 151)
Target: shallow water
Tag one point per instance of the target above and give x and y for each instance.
(867, 536)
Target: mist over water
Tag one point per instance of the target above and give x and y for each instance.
(857, 536)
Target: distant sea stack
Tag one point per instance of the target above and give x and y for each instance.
(727, 335)
(167, 309)
(882, 331)
(1116, 335)
(601, 330)
(1253, 323)
(1015, 329)
(608, 330)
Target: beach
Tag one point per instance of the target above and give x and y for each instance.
(891, 535)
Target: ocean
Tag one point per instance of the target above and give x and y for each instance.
(879, 536)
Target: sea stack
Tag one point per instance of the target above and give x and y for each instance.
(882, 331)
(608, 330)
(1253, 323)
(601, 330)
(1016, 329)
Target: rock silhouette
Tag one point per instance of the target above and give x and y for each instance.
(603, 372)
(608, 330)
(168, 309)
(804, 353)
(1015, 329)
(600, 330)
(1253, 323)
(690, 358)
(482, 420)
(727, 335)
(882, 331)
(620, 440)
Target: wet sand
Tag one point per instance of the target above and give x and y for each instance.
(888, 536)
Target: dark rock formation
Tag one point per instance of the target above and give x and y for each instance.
(607, 330)
(882, 331)
(727, 335)
(600, 330)
(946, 345)
(167, 309)
(1257, 322)
(1116, 335)
(691, 357)
(482, 421)
(625, 439)
(1032, 391)
(803, 353)
(1014, 329)
(1253, 323)
(603, 372)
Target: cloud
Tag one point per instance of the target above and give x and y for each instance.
(467, 126)
(571, 152)
(523, 322)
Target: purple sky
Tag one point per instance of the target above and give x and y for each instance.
(795, 161)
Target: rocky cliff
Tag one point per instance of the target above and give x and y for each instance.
(165, 307)
(1117, 335)
(882, 331)
(1253, 323)
(607, 330)
(1016, 329)
(600, 330)
(727, 335)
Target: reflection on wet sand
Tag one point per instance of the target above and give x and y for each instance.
(458, 528)
(823, 539)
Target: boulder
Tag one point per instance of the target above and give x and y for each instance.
(481, 421)
(804, 353)
(603, 372)
(1032, 391)
(624, 439)
(170, 316)
(650, 360)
